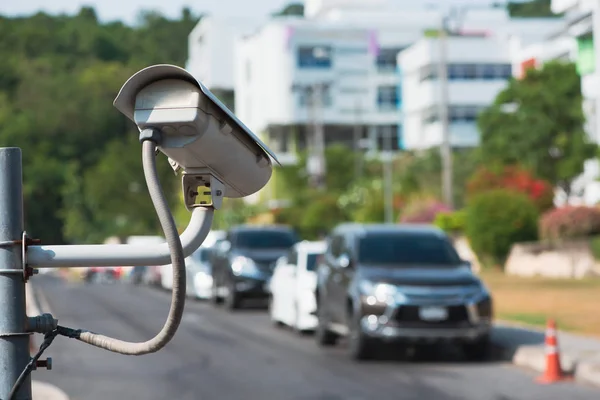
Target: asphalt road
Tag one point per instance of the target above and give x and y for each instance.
(218, 355)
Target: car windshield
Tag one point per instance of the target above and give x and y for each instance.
(202, 254)
(266, 239)
(389, 249)
(312, 261)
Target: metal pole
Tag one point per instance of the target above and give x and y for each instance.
(446, 148)
(388, 192)
(357, 148)
(14, 341)
(319, 91)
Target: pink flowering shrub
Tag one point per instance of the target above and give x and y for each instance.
(569, 222)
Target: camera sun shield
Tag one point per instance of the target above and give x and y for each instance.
(199, 134)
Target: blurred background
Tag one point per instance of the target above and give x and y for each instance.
(478, 117)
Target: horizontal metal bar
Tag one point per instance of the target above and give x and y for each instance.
(11, 271)
(10, 243)
(15, 334)
(106, 255)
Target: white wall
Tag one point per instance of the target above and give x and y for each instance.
(262, 78)
(211, 47)
(420, 96)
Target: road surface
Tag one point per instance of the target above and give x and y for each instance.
(219, 355)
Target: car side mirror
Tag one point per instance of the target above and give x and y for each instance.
(467, 264)
(343, 261)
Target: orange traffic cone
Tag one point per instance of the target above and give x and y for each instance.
(553, 371)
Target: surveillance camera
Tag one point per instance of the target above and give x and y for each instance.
(199, 134)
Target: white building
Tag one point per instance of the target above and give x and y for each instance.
(211, 47)
(477, 70)
(352, 47)
(479, 65)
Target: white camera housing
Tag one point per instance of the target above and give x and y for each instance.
(199, 133)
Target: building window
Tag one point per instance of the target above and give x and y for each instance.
(305, 98)
(314, 57)
(387, 97)
(387, 60)
(456, 114)
(479, 71)
(468, 72)
(463, 113)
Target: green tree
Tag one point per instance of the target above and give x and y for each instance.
(296, 9)
(420, 173)
(531, 9)
(538, 122)
(58, 78)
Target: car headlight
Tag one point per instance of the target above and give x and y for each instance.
(383, 292)
(243, 266)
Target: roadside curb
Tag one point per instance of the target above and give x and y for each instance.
(588, 371)
(583, 365)
(40, 390)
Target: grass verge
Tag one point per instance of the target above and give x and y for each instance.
(573, 304)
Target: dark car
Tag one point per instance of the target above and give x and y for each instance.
(402, 284)
(243, 262)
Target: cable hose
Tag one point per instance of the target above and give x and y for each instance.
(178, 265)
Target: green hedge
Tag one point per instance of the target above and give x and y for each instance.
(497, 219)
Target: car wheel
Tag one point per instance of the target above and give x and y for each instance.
(360, 346)
(232, 300)
(297, 329)
(276, 323)
(323, 335)
(479, 350)
(215, 300)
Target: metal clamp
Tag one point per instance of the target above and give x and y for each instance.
(26, 241)
(25, 270)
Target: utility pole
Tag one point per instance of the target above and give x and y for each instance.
(357, 143)
(446, 147)
(388, 193)
(318, 91)
(316, 163)
(14, 341)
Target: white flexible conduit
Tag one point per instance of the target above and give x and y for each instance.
(177, 261)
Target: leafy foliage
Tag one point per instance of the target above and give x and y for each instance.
(421, 173)
(545, 134)
(534, 8)
(569, 222)
(451, 222)
(295, 9)
(497, 219)
(82, 165)
(515, 178)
